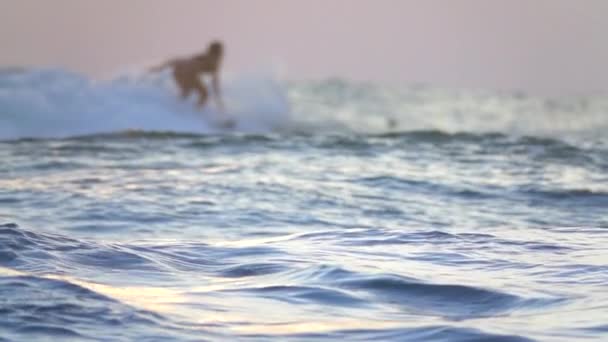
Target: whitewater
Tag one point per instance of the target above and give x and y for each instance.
(47, 103)
(57, 103)
(333, 210)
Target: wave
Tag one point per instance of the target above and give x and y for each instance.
(63, 280)
(32, 251)
(45, 308)
(43, 103)
(51, 103)
(541, 148)
(374, 108)
(40, 307)
(429, 334)
(566, 197)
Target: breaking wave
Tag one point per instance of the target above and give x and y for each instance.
(57, 103)
(44, 103)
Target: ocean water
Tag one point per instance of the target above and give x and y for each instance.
(332, 211)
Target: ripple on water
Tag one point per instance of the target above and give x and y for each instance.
(445, 300)
(34, 307)
(431, 334)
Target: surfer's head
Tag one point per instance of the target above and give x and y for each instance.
(215, 49)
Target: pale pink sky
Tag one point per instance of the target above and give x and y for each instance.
(543, 46)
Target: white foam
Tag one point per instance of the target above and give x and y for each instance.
(58, 103)
(370, 108)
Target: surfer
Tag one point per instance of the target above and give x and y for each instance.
(187, 72)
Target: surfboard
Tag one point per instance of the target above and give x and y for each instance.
(221, 121)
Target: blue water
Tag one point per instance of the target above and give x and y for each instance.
(334, 211)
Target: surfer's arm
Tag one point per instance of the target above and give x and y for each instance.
(169, 63)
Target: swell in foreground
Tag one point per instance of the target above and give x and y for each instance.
(367, 213)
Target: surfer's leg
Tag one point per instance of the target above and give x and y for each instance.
(185, 87)
(185, 92)
(202, 93)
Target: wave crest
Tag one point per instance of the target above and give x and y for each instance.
(43, 103)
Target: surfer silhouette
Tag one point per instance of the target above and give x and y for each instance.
(187, 72)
